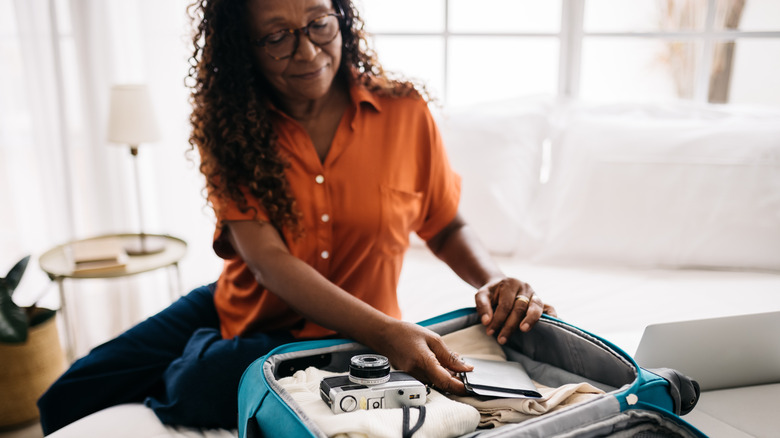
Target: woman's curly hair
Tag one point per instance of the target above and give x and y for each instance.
(231, 124)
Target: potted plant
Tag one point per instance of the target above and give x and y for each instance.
(31, 356)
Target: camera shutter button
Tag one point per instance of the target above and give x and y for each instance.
(348, 404)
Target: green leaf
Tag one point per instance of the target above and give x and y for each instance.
(15, 274)
(13, 320)
(39, 315)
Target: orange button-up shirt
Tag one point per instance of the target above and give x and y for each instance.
(386, 174)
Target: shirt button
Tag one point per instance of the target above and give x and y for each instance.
(320, 179)
(325, 217)
(324, 254)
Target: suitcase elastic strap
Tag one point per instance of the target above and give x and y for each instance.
(406, 432)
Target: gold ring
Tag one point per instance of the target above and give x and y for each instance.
(523, 298)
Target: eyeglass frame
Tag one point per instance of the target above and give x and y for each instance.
(261, 42)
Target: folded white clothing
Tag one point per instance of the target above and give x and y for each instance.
(443, 417)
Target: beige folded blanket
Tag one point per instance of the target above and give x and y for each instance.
(473, 342)
(443, 417)
(499, 411)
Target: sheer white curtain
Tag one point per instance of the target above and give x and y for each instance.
(60, 179)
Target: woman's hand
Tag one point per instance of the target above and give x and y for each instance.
(514, 302)
(422, 354)
(508, 304)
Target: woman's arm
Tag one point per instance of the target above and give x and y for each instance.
(459, 247)
(409, 347)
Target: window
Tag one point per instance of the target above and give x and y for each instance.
(704, 50)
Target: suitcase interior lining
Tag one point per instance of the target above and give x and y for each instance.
(584, 358)
(591, 361)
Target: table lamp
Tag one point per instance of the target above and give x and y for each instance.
(131, 122)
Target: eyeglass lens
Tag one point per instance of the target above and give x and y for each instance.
(320, 31)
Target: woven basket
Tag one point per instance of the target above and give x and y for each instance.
(26, 371)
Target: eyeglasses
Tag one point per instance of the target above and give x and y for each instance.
(283, 44)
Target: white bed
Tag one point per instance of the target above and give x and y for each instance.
(649, 213)
(616, 303)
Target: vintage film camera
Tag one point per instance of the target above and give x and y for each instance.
(371, 385)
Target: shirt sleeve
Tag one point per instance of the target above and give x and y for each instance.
(227, 209)
(443, 194)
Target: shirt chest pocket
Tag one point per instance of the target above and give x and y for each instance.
(401, 214)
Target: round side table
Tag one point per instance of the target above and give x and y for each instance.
(58, 265)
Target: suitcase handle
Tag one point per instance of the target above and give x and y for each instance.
(685, 391)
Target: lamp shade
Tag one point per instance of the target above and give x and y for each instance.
(131, 118)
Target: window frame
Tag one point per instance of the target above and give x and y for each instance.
(572, 34)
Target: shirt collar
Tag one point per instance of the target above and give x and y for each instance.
(358, 94)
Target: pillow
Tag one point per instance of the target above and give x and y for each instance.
(688, 186)
(497, 150)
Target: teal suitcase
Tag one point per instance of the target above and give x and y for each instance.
(641, 403)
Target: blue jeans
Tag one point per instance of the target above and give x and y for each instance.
(175, 362)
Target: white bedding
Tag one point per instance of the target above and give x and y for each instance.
(133, 421)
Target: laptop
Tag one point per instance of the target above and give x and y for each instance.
(718, 353)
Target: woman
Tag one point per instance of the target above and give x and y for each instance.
(318, 166)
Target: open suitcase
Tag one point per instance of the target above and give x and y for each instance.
(641, 404)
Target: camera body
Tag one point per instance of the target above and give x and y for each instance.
(371, 385)
(342, 395)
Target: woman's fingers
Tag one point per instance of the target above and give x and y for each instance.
(533, 313)
(447, 364)
(483, 305)
(444, 365)
(504, 293)
(424, 355)
(509, 304)
(550, 310)
(448, 358)
(522, 303)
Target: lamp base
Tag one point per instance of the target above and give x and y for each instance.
(144, 244)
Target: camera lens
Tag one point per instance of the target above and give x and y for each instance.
(369, 369)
